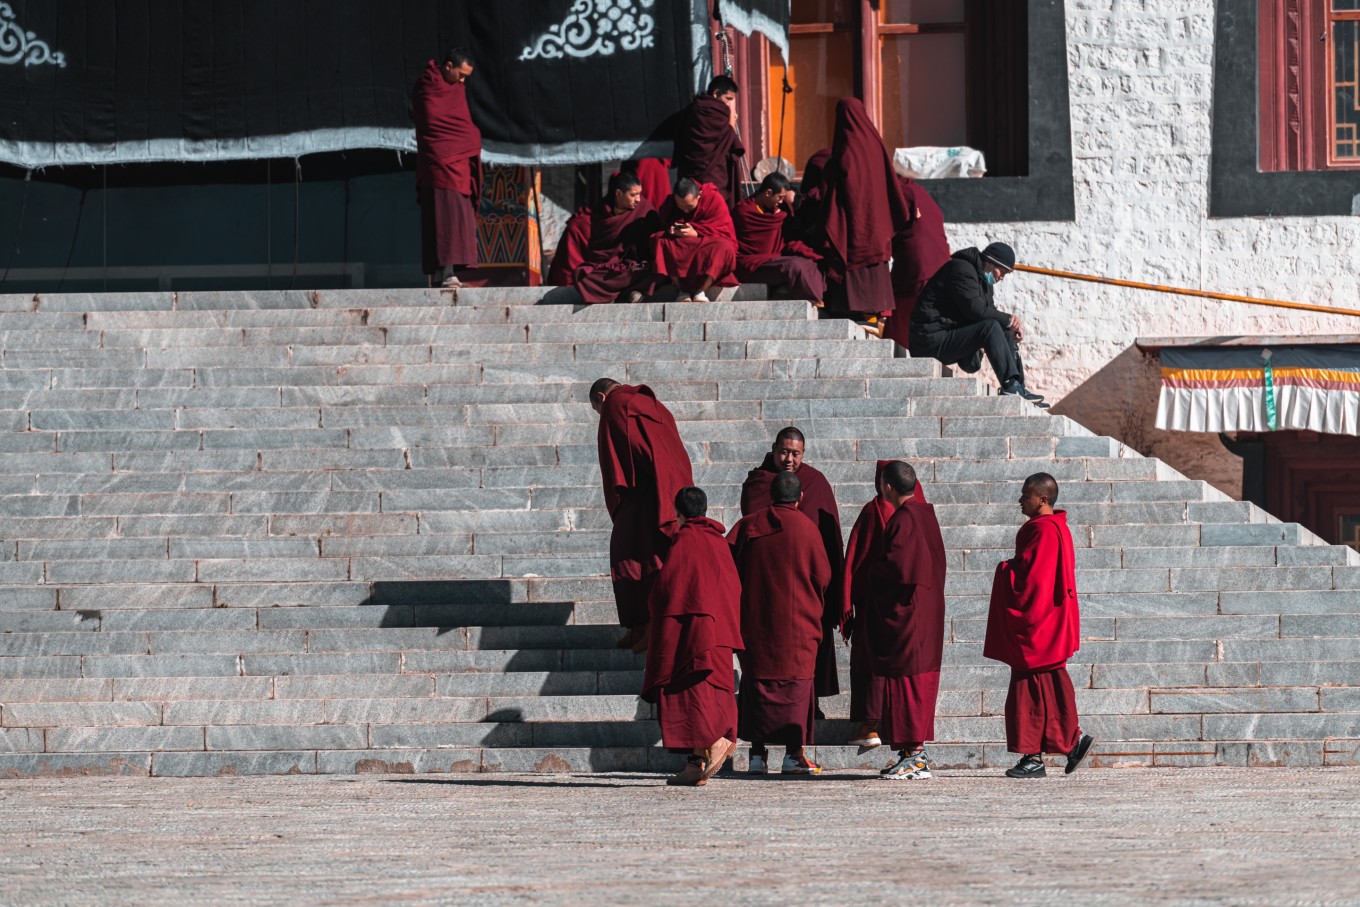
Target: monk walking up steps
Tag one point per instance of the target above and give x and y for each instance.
(1034, 626)
(643, 464)
(696, 619)
(784, 577)
(904, 614)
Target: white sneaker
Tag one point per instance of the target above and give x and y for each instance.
(913, 766)
(756, 765)
(867, 738)
(699, 297)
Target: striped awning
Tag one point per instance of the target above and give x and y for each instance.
(1263, 388)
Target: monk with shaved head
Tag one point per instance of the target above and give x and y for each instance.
(1034, 626)
(643, 464)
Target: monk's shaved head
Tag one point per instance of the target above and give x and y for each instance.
(786, 488)
(691, 502)
(789, 433)
(599, 390)
(1042, 483)
(900, 477)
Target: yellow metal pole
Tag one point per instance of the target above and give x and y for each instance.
(1183, 291)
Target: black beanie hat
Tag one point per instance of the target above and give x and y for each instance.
(1000, 253)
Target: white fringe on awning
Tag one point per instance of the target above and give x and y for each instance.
(1334, 412)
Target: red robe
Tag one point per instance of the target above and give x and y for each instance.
(448, 143)
(655, 175)
(695, 611)
(708, 149)
(819, 506)
(615, 261)
(918, 252)
(713, 253)
(643, 464)
(571, 249)
(904, 625)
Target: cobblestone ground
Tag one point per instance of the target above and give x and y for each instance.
(1174, 836)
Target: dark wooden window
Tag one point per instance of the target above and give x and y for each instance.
(1309, 96)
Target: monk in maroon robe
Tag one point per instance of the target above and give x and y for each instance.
(571, 249)
(818, 504)
(448, 168)
(696, 247)
(764, 255)
(696, 619)
(643, 464)
(865, 547)
(1034, 625)
(707, 147)
(862, 209)
(615, 265)
(918, 252)
(904, 617)
(784, 577)
(655, 175)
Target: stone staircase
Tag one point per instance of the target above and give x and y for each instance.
(348, 531)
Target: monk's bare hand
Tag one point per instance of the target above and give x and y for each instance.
(685, 230)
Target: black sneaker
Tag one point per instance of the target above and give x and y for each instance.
(1018, 389)
(1078, 753)
(1027, 767)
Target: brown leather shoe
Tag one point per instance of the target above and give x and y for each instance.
(717, 755)
(692, 775)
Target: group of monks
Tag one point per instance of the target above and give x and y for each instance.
(831, 243)
(777, 589)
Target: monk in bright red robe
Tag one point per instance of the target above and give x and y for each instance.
(918, 252)
(861, 211)
(448, 168)
(615, 265)
(784, 577)
(865, 547)
(764, 254)
(818, 504)
(696, 247)
(707, 146)
(643, 464)
(1034, 625)
(571, 249)
(904, 618)
(696, 619)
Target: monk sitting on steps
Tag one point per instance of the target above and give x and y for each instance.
(1034, 626)
(784, 576)
(697, 244)
(696, 627)
(643, 463)
(764, 254)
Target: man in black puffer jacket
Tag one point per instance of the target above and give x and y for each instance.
(956, 320)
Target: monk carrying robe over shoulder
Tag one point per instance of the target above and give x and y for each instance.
(696, 620)
(707, 146)
(766, 253)
(1034, 626)
(615, 266)
(696, 246)
(643, 464)
(904, 616)
(784, 577)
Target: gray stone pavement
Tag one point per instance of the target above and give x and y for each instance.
(1163, 836)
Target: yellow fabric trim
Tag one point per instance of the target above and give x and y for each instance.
(1231, 374)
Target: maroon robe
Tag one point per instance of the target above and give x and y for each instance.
(765, 256)
(655, 175)
(819, 506)
(862, 208)
(687, 260)
(448, 171)
(918, 252)
(695, 610)
(864, 548)
(784, 577)
(615, 261)
(904, 617)
(708, 149)
(643, 464)
(571, 249)
(1034, 625)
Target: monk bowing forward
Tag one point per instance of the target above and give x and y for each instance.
(696, 246)
(696, 627)
(1034, 626)
(643, 463)
(904, 615)
(784, 577)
